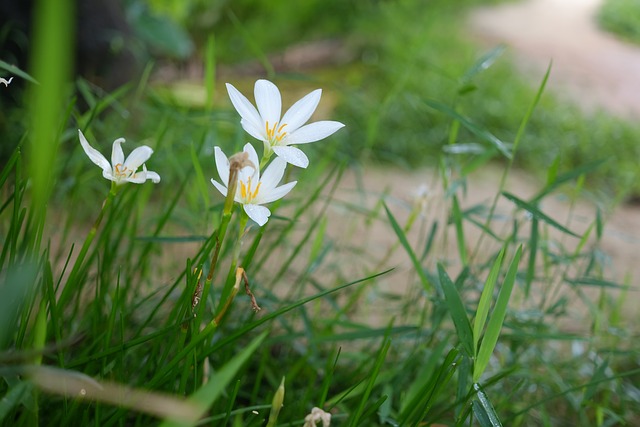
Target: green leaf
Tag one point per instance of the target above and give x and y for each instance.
(17, 71)
(457, 311)
(407, 247)
(485, 300)
(210, 392)
(537, 213)
(482, 64)
(483, 409)
(457, 220)
(497, 318)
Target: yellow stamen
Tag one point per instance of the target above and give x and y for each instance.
(255, 193)
(246, 193)
(275, 133)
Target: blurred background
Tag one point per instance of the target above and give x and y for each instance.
(377, 60)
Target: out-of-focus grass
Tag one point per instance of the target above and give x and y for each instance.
(621, 17)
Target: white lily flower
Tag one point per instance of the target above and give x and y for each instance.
(6, 82)
(253, 190)
(279, 133)
(121, 170)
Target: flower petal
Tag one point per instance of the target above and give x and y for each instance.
(272, 175)
(251, 120)
(221, 188)
(268, 101)
(117, 156)
(222, 165)
(301, 111)
(94, 155)
(292, 155)
(138, 157)
(153, 176)
(314, 132)
(278, 193)
(259, 214)
(249, 172)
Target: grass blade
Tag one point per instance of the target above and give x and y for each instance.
(537, 213)
(457, 311)
(407, 247)
(485, 301)
(483, 409)
(497, 318)
(209, 393)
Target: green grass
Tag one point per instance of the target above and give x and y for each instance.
(621, 17)
(467, 315)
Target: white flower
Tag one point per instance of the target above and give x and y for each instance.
(253, 190)
(6, 82)
(315, 416)
(278, 133)
(121, 170)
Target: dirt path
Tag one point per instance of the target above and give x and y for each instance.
(593, 67)
(589, 66)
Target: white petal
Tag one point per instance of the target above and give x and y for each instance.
(221, 188)
(314, 132)
(272, 175)
(258, 132)
(94, 155)
(268, 101)
(292, 155)
(259, 214)
(117, 156)
(222, 165)
(109, 175)
(301, 111)
(153, 176)
(251, 120)
(253, 157)
(138, 157)
(277, 193)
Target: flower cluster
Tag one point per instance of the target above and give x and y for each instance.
(277, 135)
(265, 123)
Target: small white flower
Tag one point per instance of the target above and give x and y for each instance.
(315, 416)
(121, 170)
(6, 82)
(253, 190)
(278, 134)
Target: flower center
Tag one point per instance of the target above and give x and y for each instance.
(122, 172)
(246, 193)
(275, 133)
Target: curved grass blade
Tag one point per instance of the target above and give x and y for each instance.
(537, 213)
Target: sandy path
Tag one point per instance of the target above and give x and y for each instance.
(593, 67)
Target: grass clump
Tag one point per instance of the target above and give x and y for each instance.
(621, 17)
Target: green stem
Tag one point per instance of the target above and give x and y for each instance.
(229, 283)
